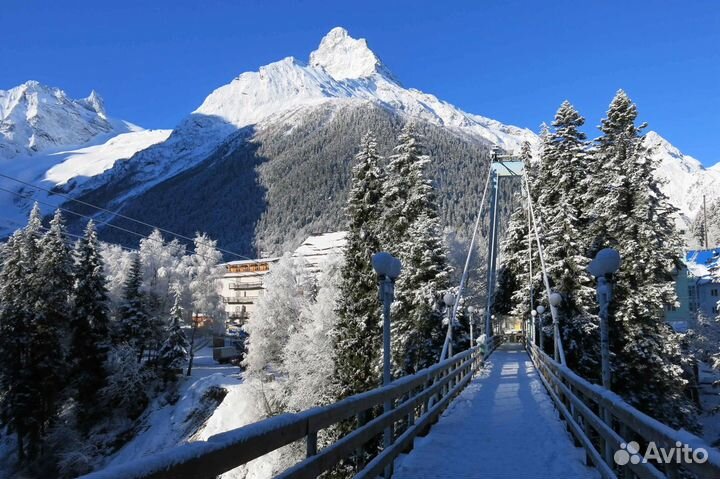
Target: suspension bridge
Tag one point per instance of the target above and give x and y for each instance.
(498, 409)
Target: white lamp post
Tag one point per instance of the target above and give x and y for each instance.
(471, 310)
(533, 337)
(388, 269)
(540, 310)
(555, 300)
(449, 300)
(606, 262)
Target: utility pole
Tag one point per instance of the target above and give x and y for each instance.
(705, 228)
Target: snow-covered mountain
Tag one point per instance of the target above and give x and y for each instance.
(342, 71)
(260, 131)
(35, 118)
(686, 179)
(49, 139)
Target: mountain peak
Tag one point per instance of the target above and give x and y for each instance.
(94, 102)
(344, 57)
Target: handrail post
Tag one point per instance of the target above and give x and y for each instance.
(311, 443)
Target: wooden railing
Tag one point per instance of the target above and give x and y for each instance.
(600, 421)
(416, 400)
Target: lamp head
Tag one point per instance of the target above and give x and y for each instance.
(386, 264)
(471, 309)
(607, 261)
(555, 299)
(533, 313)
(540, 309)
(449, 299)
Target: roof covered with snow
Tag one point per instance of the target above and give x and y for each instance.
(317, 248)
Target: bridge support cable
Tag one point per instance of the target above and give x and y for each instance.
(558, 347)
(533, 333)
(466, 269)
(492, 256)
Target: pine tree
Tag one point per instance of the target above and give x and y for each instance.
(89, 326)
(17, 407)
(174, 350)
(358, 334)
(51, 319)
(561, 206)
(22, 407)
(134, 326)
(632, 214)
(411, 233)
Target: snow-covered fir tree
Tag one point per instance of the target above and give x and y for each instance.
(51, 316)
(89, 325)
(161, 267)
(358, 329)
(632, 214)
(411, 233)
(19, 401)
(561, 206)
(134, 326)
(174, 350)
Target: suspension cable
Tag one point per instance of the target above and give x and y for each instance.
(541, 252)
(106, 223)
(466, 269)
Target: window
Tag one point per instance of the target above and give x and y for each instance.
(714, 292)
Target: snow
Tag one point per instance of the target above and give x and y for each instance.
(316, 249)
(36, 118)
(686, 179)
(344, 57)
(169, 425)
(93, 160)
(502, 425)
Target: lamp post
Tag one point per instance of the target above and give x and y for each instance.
(388, 269)
(540, 310)
(449, 300)
(533, 333)
(555, 299)
(606, 262)
(471, 310)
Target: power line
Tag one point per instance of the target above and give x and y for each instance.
(119, 215)
(106, 223)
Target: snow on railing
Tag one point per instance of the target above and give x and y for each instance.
(417, 401)
(583, 406)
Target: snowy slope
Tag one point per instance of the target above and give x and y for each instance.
(49, 139)
(686, 179)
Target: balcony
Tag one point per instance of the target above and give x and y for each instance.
(241, 286)
(239, 299)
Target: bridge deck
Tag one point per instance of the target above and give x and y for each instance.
(502, 425)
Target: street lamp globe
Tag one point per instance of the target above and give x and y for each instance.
(449, 299)
(540, 309)
(386, 264)
(471, 309)
(555, 299)
(606, 261)
(533, 313)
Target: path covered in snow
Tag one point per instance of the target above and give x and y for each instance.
(503, 425)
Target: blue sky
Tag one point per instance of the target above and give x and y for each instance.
(515, 61)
